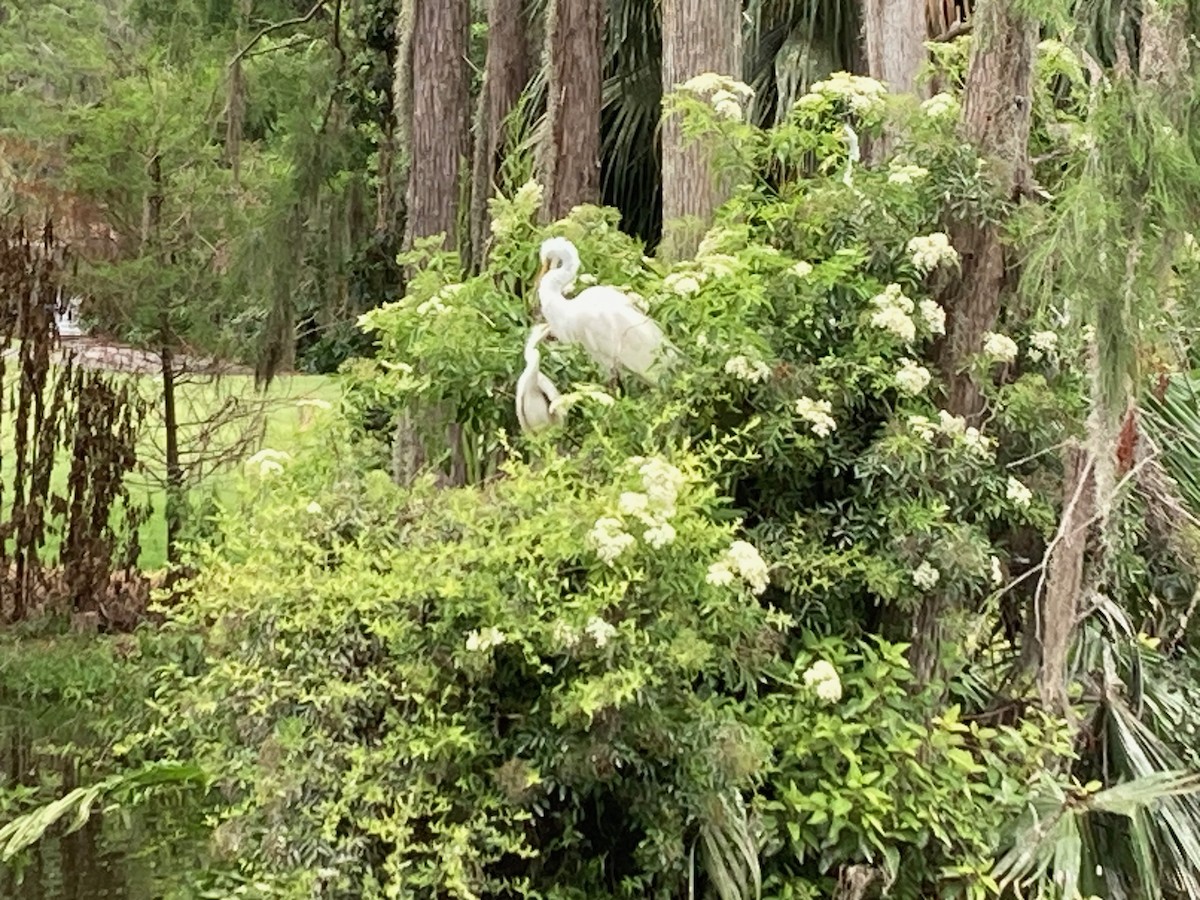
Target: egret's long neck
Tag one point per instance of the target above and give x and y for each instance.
(550, 290)
(533, 356)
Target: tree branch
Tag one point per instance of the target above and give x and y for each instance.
(263, 32)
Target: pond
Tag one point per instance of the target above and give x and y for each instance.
(141, 855)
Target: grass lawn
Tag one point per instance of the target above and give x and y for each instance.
(283, 408)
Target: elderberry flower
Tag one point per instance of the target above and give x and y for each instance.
(817, 414)
(747, 369)
(925, 576)
(999, 347)
(479, 641)
(930, 251)
(823, 679)
(599, 631)
(609, 539)
(1017, 493)
(934, 316)
(912, 378)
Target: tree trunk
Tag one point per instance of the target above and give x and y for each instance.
(996, 111)
(997, 119)
(439, 104)
(698, 36)
(506, 72)
(894, 32)
(166, 345)
(571, 158)
(1059, 608)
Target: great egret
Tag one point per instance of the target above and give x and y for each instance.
(535, 392)
(614, 332)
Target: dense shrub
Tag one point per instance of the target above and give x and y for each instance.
(602, 668)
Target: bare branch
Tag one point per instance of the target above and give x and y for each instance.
(264, 31)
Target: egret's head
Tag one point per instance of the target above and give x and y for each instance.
(559, 254)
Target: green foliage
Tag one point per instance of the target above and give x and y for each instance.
(578, 676)
(885, 778)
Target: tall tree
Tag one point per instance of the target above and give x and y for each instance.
(698, 36)
(506, 72)
(570, 160)
(997, 116)
(894, 32)
(434, 67)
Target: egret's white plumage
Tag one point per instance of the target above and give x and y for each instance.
(614, 332)
(535, 392)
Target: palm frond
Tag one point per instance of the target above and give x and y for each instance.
(730, 853)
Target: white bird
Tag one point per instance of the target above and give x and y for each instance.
(614, 332)
(536, 392)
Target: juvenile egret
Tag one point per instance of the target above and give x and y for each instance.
(614, 332)
(535, 392)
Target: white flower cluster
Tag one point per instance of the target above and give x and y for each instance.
(609, 538)
(525, 204)
(715, 239)
(1042, 343)
(682, 283)
(653, 508)
(931, 250)
(823, 679)
(922, 427)
(1017, 493)
(997, 572)
(801, 269)
(718, 265)
(893, 313)
(934, 316)
(955, 428)
(743, 560)
(818, 415)
(724, 93)
(267, 462)
(752, 370)
(941, 106)
(926, 576)
(864, 96)
(912, 378)
(905, 173)
(484, 640)
(599, 631)
(999, 347)
(439, 302)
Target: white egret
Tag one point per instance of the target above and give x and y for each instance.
(605, 321)
(536, 392)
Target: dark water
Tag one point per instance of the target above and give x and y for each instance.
(142, 854)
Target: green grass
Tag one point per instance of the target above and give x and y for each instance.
(280, 408)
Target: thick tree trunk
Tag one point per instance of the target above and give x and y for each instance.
(894, 32)
(996, 111)
(698, 36)
(997, 119)
(440, 118)
(571, 157)
(506, 72)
